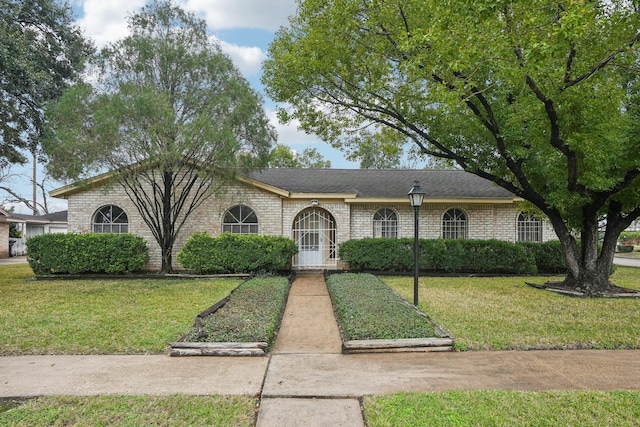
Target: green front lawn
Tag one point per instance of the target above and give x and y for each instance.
(501, 313)
(124, 316)
(504, 408)
(177, 410)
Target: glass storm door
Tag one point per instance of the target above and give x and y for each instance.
(314, 231)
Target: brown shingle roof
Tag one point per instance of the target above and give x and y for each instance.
(385, 183)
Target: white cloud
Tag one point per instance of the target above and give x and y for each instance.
(289, 134)
(248, 59)
(227, 14)
(105, 21)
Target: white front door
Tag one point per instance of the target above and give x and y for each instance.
(314, 232)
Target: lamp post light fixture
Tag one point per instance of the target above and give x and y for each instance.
(416, 196)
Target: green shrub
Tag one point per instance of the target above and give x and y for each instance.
(470, 256)
(86, 253)
(237, 253)
(630, 238)
(625, 248)
(548, 256)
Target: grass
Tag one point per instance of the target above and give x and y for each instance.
(251, 315)
(504, 408)
(123, 316)
(367, 309)
(179, 410)
(502, 313)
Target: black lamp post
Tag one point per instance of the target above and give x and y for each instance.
(416, 196)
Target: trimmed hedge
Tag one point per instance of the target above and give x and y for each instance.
(237, 253)
(453, 256)
(86, 253)
(548, 256)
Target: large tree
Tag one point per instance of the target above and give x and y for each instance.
(282, 156)
(41, 52)
(169, 115)
(538, 96)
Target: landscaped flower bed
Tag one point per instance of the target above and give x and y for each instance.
(371, 316)
(243, 324)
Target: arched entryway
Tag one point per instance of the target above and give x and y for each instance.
(314, 230)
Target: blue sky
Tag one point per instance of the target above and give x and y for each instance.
(244, 29)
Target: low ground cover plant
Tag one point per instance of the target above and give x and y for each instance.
(237, 253)
(500, 313)
(178, 410)
(121, 316)
(504, 408)
(252, 314)
(367, 309)
(87, 253)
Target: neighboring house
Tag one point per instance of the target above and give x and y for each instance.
(321, 208)
(29, 225)
(4, 233)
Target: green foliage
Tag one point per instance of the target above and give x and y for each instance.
(86, 253)
(367, 309)
(283, 157)
(625, 249)
(630, 238)
(237, 253)
(468, 256)
(14, 230)
(539, 97)
(41, 52)
(252, 313)
(548, 256)
(170, 117)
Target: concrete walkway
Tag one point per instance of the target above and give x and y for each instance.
(307, 381)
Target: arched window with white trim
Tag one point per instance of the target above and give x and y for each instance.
(385, 223)
(110, 219)
(529, 228)
(240, 219)
(454, 224)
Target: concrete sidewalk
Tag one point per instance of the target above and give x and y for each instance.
(307, 381)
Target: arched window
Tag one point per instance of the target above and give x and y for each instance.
(240, 219)
(454, 224)
(110, 219)
(529, 228)
(385, 223)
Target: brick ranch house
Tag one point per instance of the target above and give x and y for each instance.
(321, 208)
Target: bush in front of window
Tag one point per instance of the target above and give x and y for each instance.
(86, 253)
(237, 253)
(452, 256)
(548, 256)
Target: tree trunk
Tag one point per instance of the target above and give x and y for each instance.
(167, 223)
(167, 259)
(588, 262)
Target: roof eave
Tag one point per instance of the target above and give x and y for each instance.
(434, 200)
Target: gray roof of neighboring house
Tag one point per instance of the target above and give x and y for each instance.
(382, 183)
(52, 217)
